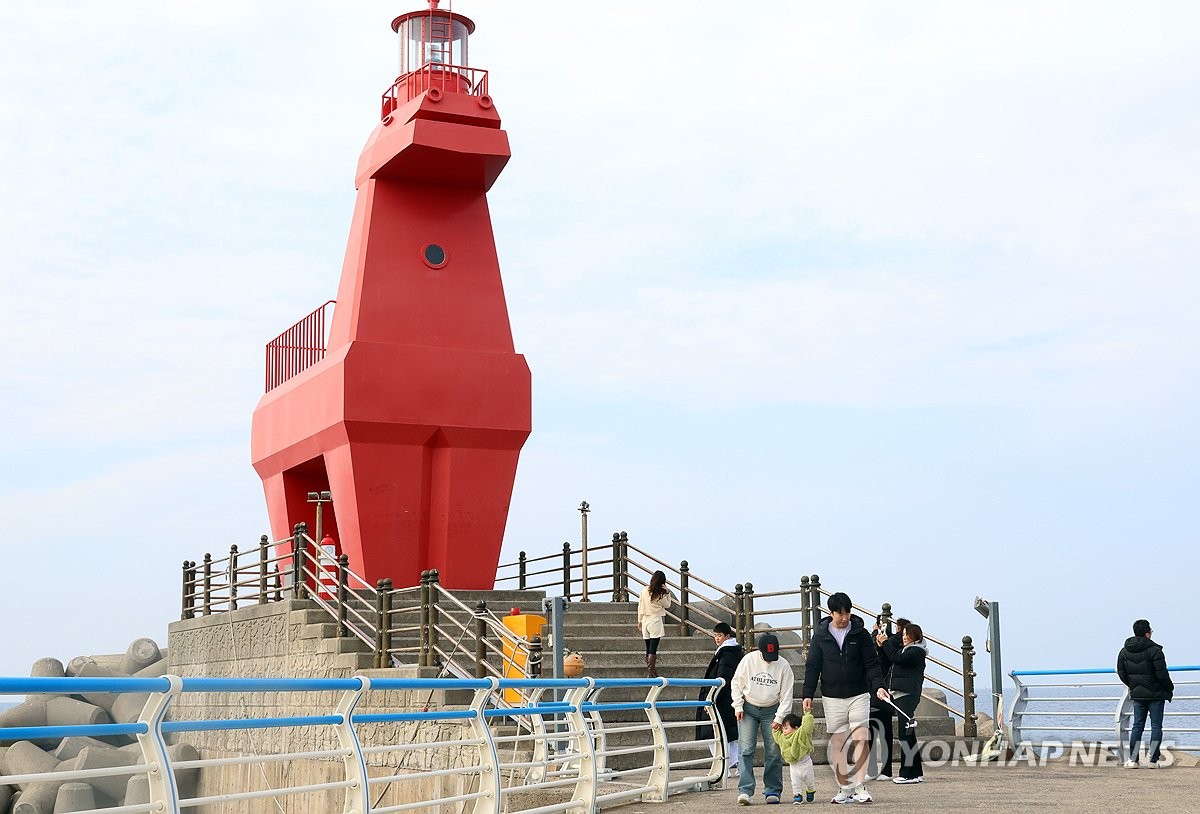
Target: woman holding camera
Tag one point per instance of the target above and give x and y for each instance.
(904, 684)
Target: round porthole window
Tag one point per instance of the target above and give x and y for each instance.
(434, 255)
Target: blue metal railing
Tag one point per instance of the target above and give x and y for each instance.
(362, 771)
(1044, 712)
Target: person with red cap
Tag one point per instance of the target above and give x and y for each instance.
(762, 697)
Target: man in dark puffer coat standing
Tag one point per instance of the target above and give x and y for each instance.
(1143, 669)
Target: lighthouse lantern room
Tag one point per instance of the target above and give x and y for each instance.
(433, 54)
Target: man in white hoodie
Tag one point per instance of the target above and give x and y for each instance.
(762, 697)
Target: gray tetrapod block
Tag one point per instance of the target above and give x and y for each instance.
(107, 758)
(137, 791)
(64, 711)
(74, 797)
(141, 654)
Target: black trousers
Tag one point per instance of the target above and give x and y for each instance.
(881, 740)
(910, 752)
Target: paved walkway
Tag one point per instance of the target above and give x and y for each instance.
(1012, 789)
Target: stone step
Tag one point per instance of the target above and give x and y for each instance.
(354, 661)
(319, 630)
(587, 641)
(308, 616)
(346, 644)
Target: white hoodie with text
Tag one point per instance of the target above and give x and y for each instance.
(763, 683)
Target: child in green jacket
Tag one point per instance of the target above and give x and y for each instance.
(795, 742)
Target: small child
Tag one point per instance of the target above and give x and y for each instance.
(795, 742)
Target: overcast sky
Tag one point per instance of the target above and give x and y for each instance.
(904, 295)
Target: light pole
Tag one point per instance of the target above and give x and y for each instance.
(584, 508)
(319, 498)
(991, 612)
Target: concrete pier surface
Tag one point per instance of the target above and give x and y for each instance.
(1014, 789)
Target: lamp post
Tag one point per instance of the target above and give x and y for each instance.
(319, 498)
(584, 508)
(991, 612)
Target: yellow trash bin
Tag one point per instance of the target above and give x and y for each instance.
(525, 626)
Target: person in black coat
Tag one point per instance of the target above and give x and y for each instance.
(1143, 669)
(881, 712)
(843, 660)
(904, 684)
(723, 665)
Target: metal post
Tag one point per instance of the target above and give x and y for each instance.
(805, 617)
(684, 628)
(298, 534)
(185, 611)
(567, 570)
(320, 499)
(423, 659)
(885, 618)
(481, 639)
(814, 584)
(994, 649)
(521, 571)
(343, 577)
(434, 659)
(583, 513)
(739, 614)
(264, 545)
(624, 567)
(970, 725)
(556, 608)
(383, 618)
(616, 564)
(233, 577)
(748, 602)
(207, 584)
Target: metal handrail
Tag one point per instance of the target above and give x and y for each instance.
(433, 75)
(627, 581)
(1121, 715)
(567, 740)
(298, 348)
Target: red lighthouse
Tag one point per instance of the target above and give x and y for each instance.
(413, 413)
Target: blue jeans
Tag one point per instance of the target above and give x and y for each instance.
(1140, 710)
(757, 720)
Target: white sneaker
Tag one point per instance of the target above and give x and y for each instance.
(904, 781)
(884, 777)
(743, 799)
(844, 795)
(861, 795)
(1131, 764)
(1153, 764)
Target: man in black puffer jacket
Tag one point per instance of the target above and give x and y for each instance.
(1143, 669)
(843, 657)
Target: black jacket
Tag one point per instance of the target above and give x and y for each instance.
(723, 665)
(885, 667)
(845, 671)
(908, 665)
(1143, 669)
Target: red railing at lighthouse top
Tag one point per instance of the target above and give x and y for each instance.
(298, 348)
(430, 76)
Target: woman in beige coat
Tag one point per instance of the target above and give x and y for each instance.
(652, 607)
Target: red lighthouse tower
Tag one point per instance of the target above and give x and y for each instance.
(413, 414)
